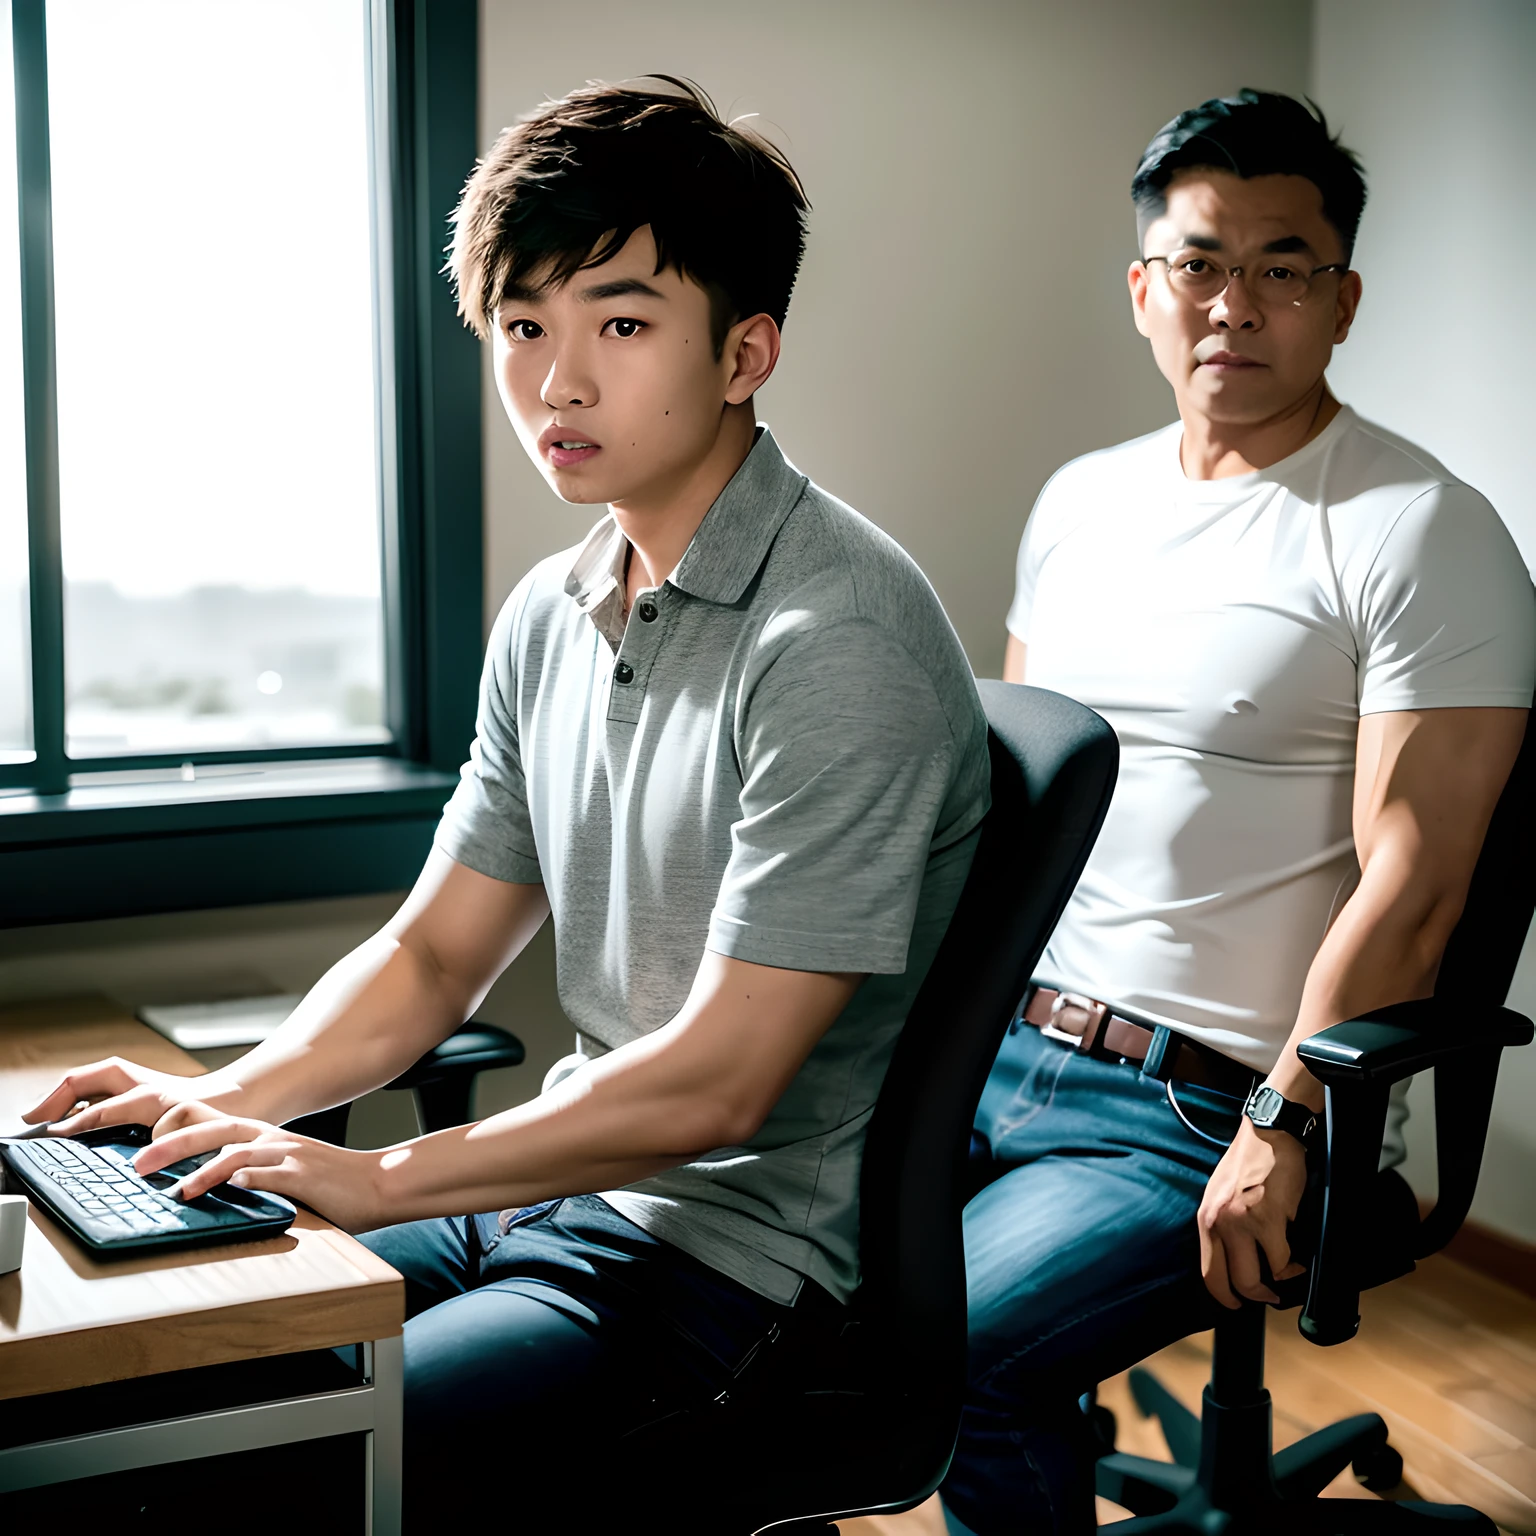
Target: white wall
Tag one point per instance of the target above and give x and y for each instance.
(1437, 97)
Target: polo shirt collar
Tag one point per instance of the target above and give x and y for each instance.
(596, 579)
(726, 551)
(732, 542)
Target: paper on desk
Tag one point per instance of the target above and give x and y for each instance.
(210, 1026)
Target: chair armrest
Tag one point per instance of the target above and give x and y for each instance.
(1357, 1063)
(443, 1079)
(471, 1048)
(1390, 1044)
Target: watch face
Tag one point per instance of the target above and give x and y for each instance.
(1265, 1105)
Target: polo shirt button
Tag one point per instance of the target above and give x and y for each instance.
(623, 673)
(648, 612)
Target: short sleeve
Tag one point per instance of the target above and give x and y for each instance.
(1040, 535)
(847, 763)
(1448, 616)
(486, 825)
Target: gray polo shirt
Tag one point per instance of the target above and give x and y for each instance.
(781, 757)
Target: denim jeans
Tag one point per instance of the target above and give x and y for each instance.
(530, 1356)
(1081, 1258)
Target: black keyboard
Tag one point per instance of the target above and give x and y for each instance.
(89, 1184)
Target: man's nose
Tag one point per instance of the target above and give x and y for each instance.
(567, 383)
(1234, 309)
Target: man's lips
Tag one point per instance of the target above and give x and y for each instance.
(564, 446)
(1232, 360)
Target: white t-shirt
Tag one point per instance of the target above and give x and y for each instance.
(1233, 632)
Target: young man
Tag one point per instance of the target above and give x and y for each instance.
(732, 745)
(1318, 648)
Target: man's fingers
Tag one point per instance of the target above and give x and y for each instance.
(276, 1175)
(138, 1106)
(1278, 1252)
(233, 1160)
(204, 1136)
(1213, 1265)
(1243, 1268)
(101, 1077)
(179, 1116)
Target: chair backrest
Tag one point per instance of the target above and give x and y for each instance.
(1053, 770)
(1475, 975)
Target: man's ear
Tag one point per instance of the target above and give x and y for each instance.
(1136, 277)
(1348, 303)
(750, 353)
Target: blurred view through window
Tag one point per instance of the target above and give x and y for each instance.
(15, 648)
(214, 298)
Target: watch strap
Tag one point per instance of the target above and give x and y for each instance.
(1282, 1114)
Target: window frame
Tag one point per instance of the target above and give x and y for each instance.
(111, 836)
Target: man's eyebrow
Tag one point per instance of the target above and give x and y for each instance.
(1285, 245)
(618, 289)
(520, 293)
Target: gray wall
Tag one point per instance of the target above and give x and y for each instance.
(1437, 98)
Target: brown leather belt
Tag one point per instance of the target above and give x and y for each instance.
(1086, 1025)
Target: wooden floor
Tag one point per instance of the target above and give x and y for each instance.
(1446, 1356)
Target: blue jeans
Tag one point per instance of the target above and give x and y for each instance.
(531, 1357)
(1081, 1258)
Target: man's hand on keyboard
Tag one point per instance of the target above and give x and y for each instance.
(340, 1184)
(126, 1094)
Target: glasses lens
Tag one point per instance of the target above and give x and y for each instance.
(1279, 285)
(1196, 278)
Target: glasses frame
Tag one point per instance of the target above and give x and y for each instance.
(1237, 271)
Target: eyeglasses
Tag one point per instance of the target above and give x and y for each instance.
(1199, 280)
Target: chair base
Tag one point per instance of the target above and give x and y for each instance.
(1226, 1481)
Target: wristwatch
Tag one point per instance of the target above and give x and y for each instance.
(1271, 1112)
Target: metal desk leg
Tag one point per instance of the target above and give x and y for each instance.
(386, 1369)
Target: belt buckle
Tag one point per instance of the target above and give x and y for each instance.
(1095, 1013)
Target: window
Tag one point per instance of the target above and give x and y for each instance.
(239, 448)
(218, 496)
(15, 713)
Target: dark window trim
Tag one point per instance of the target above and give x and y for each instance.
(101, 837)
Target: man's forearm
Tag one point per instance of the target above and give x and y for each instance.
(368, 1018)
(632, 1113)
(705, 1080)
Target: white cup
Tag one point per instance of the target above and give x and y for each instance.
(13, 1229)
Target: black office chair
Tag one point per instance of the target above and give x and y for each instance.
(1360, 1228)
(875, 1430)
(443, 1082)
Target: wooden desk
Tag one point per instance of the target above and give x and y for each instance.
(69, 1320)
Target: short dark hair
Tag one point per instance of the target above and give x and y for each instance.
(1254, 133)
(566, 186)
